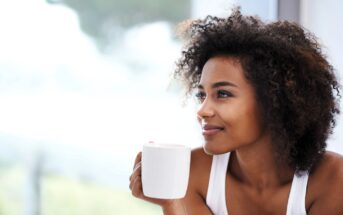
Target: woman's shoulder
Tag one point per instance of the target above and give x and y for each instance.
(330, 165)
(325, 185)
(200, 170)
(333, 160)
(200, 157)
(329, 171)
(200, 162)
(195, 199)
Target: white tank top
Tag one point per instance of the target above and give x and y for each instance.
(216, 200)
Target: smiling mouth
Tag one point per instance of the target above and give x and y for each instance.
(211, 131)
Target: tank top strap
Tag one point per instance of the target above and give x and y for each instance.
(215, 198)
(297, 195)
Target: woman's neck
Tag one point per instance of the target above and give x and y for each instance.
(255, 165)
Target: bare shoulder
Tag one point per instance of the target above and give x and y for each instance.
(200, 159)
(330, 167)
(326, 185)
(195, 199)
(200, 169)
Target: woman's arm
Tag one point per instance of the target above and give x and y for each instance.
(195, 205)
(190, 205)
(175, 208)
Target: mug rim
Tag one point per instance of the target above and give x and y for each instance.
(165, 145)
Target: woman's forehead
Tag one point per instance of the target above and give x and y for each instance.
(222, 68)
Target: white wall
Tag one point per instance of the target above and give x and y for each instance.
(266, 9)
(202, 8)
(325, 20)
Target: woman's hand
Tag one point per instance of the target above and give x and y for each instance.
(169, 206)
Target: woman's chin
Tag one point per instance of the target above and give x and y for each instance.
(212, 150)
(207, 151)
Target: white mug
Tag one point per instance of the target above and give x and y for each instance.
(165, 170)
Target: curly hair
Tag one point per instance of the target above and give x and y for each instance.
(295, 85)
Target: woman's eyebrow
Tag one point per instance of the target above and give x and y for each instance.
(219, 84)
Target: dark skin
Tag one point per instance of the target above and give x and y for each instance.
(255, 183)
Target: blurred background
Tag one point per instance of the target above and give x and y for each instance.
(83, 84)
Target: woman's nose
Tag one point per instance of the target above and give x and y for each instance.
(205, 110)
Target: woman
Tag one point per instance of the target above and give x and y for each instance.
(268, 101)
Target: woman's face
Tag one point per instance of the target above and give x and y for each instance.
(228, 111)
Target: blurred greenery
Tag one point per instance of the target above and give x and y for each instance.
(104, 19)
(67, 196)
(11, 190)
(63, 196)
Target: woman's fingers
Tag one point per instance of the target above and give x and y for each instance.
(136, 167)
(136, 172)
(135, 178)
(138, 159)
(137, 187)
(136, 182)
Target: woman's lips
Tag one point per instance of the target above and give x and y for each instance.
(209, 130)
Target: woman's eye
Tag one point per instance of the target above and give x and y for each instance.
(223, 94)
(200, 96)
